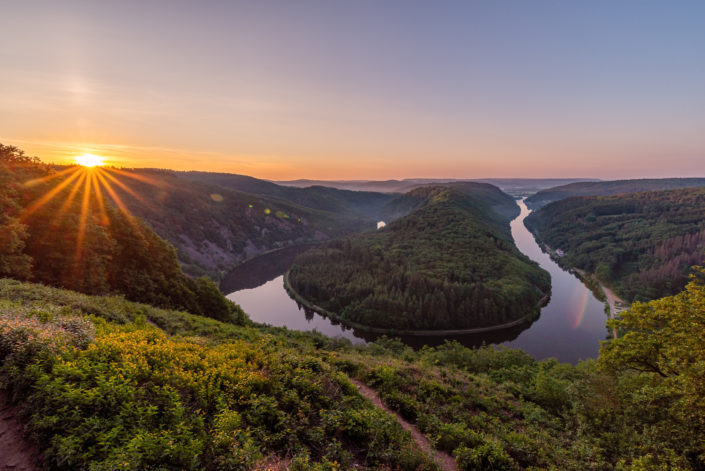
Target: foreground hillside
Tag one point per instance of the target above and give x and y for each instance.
(450, 264)
(103, 383)
(642, 244)
(616, 187)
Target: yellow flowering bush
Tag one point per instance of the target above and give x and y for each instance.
(136, 398)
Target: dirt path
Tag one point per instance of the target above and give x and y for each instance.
(444, 460)
(612, 300)
(15, 452)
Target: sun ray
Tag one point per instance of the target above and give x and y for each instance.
(64, 208)
(48, 197)
(37, 181)
(118, 201)
(142, 178)
(69, 199)
(127, 189)
(83, 222)
(99, 197)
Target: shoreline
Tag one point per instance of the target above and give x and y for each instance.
(414, 333)
(589, 280)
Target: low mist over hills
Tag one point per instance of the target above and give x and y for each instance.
(510, 185)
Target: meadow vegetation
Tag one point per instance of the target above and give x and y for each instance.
(110, 384)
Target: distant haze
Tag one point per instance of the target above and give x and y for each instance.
(362, 89)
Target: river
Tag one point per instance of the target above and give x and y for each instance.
(569, 328)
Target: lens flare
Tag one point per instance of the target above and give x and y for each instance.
(581, 307)
(88, 181)
(89, 160)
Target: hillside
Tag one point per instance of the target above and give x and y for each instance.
(449, 264)
(485, 194)
(513, 186)
(359, 203)
(57, 228)
(102, 383)
(214, 228)
(641, 244)
(616, 187)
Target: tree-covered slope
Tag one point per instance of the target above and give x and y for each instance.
(214, 228)
(642, 244)
(543, 197)
(450, 264)
(360, 203)
(483, 193)
(55, 229)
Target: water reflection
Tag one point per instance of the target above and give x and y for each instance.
(572, 324)
(569, 328)
(260, 270)
(270, 304)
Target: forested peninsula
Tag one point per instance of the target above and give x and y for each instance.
(449, 264)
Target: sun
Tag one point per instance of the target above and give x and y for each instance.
(89, 160)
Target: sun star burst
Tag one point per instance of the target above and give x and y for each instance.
(89, 160)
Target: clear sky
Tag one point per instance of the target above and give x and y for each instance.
(360, 89)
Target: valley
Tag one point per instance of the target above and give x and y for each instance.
(187, 379)
(352, 235)
(569, 328)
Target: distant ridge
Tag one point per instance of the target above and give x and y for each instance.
(606, 188)
(400, 186)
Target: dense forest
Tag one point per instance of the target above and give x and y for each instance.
(103, 383)
(642, 244)
(615, 187)
(213, 227)
(498, 201)
(450, 264)
(55, 229)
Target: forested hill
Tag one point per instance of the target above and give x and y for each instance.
(615, 187)
(483, 193)
(641, 244)
(360, 203)
(450, 264)
(500, 202)
(56, 228)
(213, 228)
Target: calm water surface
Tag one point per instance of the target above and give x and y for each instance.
(570, 327)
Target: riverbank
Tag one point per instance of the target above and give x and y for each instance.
(414, 333)
(615, 304)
